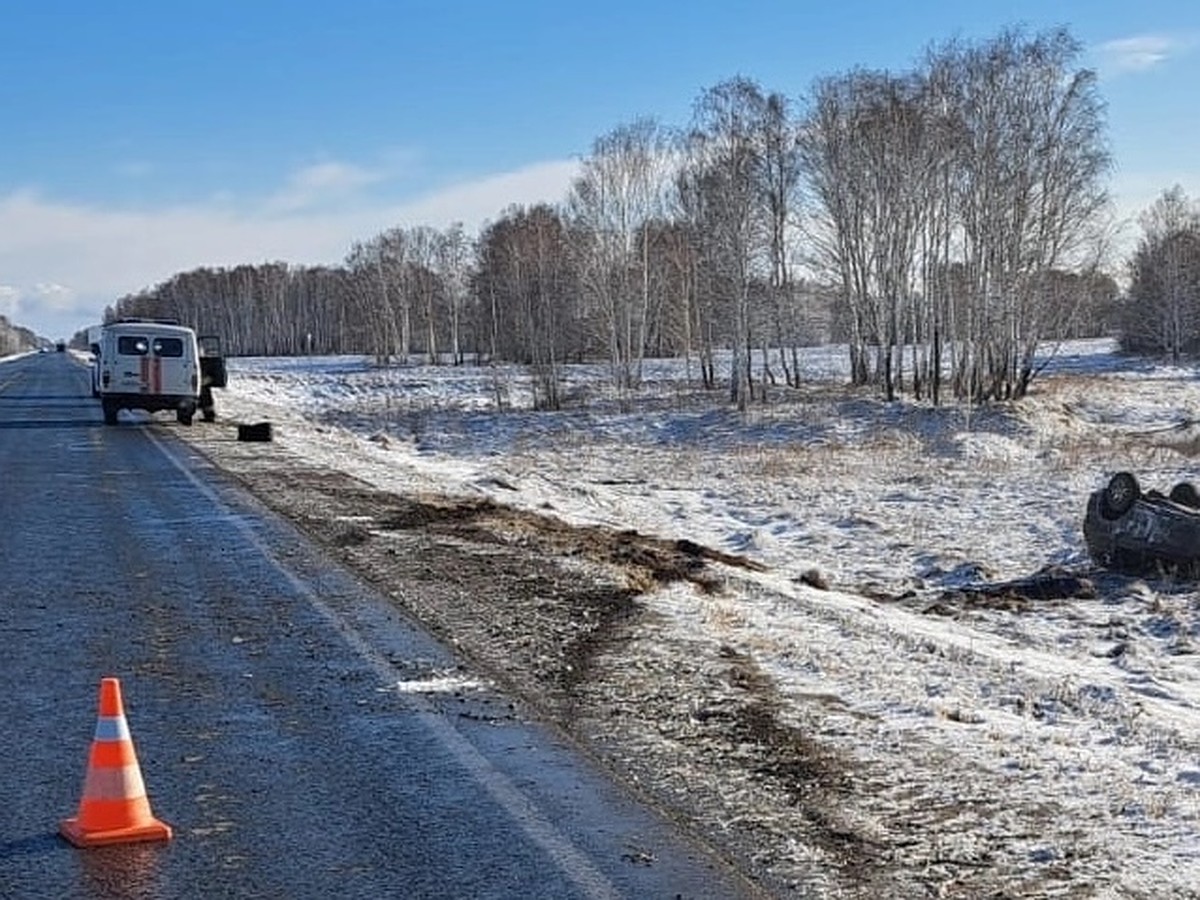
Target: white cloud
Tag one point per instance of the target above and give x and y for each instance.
(1140, 53)
(64, 262)
(476, 202)
(57, 297)
(321, 184)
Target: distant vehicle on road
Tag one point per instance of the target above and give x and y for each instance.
(154, 365)
(1144, 532)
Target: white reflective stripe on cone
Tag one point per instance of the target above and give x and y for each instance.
(112, 728)
(122, 783)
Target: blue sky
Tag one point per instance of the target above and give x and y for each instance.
(142, 139)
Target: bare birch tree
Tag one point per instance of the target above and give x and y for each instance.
(727, 147)
(372, 286)
(691, 253)
(1163, 312)
(944, 198)
(838, 228)
(524, 271)
(612, 205)
(1031, 188)
(780, 184)
(421, 285)
(453, 262)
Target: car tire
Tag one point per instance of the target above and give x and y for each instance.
(110, 413)
(184, 416)
(1121, 492)
(1185, 494)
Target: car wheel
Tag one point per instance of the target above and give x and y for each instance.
(1120, 494)
(1185, 494)
(110, 414)
(184, 416)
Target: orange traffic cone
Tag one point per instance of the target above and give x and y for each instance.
(114, 808)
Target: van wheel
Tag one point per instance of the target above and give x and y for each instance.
(184, 416)
(110, 413)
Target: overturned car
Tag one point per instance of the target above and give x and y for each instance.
(1144, 533)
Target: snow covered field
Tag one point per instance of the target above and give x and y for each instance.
(1051, 747)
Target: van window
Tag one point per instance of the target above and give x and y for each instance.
(168, 347)
(132, 346)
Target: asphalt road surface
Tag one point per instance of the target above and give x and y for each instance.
(300, 735)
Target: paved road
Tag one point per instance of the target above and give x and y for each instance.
(282, 713)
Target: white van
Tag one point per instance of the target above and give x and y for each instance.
(147, 365)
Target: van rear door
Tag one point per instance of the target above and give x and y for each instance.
(149, 363)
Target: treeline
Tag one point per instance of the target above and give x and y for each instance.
(943, 222)
(14, 339)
